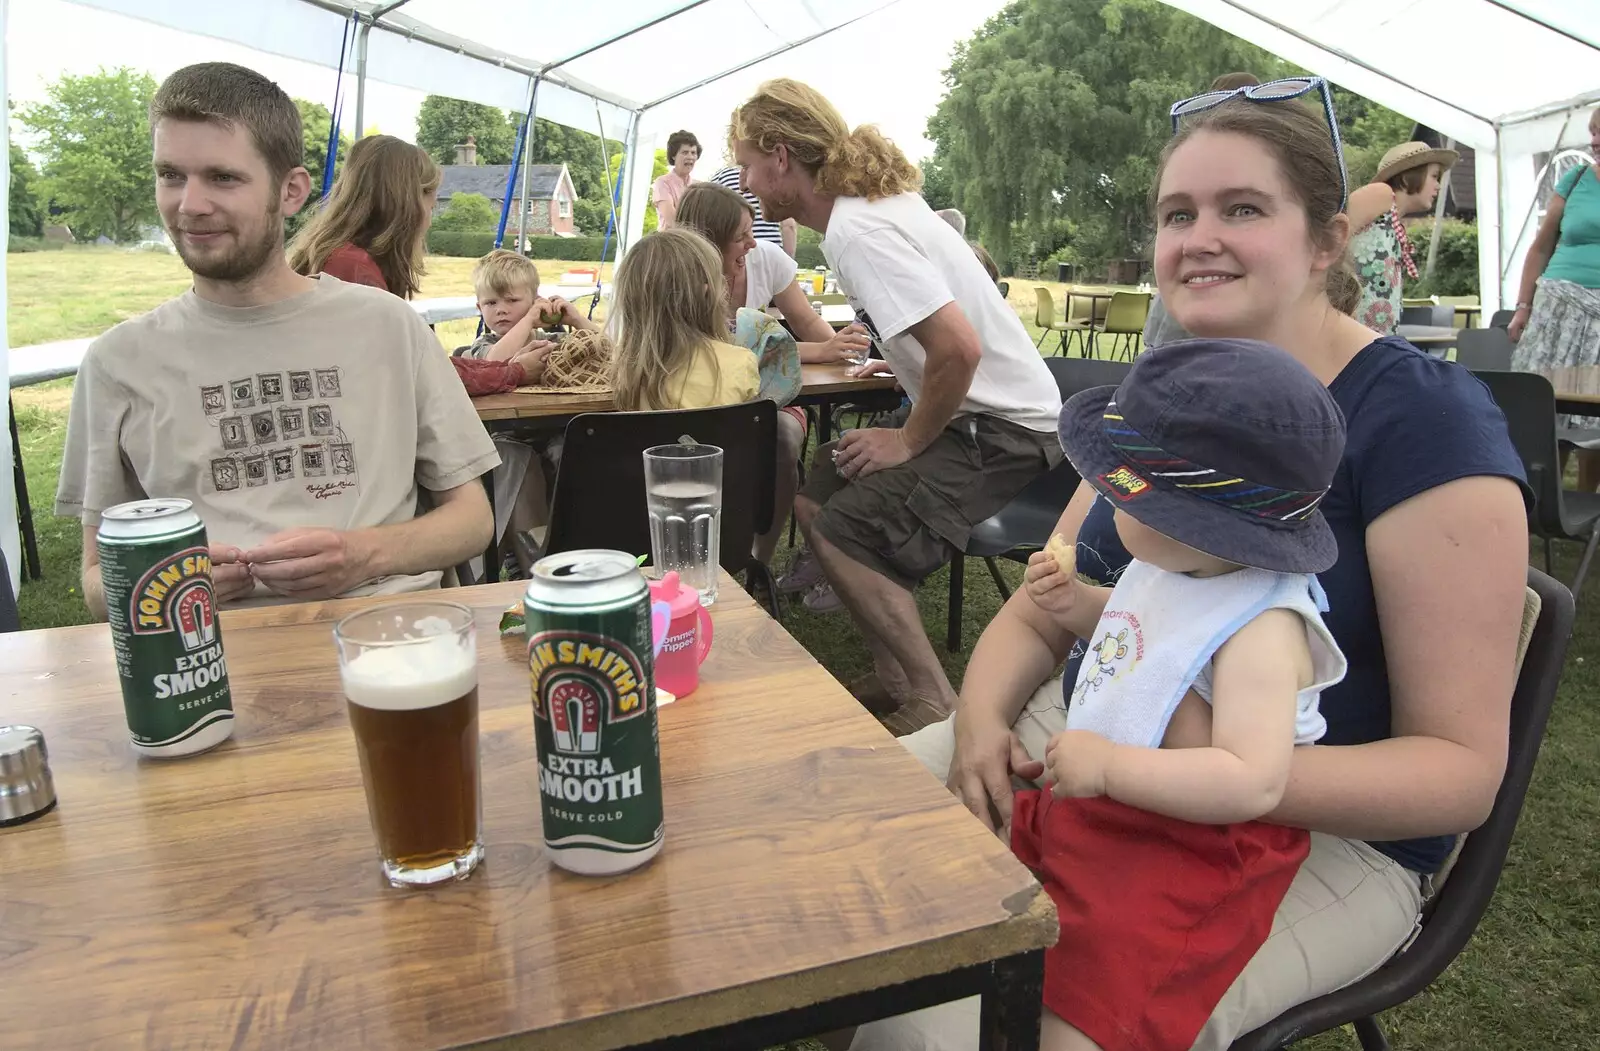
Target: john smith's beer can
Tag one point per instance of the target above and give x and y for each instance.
(594, 711)
(156, 570)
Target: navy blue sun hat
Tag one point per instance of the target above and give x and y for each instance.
(1226, 445)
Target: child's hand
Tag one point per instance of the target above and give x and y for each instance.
(545, 312)
(1076, 762)
(1052, 589)
(569, 313)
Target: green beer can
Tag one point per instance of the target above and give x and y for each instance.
(594, 711)
(156, 570)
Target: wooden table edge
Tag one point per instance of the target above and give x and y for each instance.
(1031, 926)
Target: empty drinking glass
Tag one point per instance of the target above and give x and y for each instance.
(683, 491)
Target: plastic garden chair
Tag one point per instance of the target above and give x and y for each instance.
(1449, 920)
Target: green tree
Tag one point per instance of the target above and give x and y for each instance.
(27, 216)
(936, 188)
(471, 212)
(443, 123)
(1056, 113)
(657, 170)
(1368, 131)
(94, 135)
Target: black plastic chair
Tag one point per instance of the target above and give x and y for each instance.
(1437, 316)
(1529, 403)
(10, 619)
(1481, 349)
(599, 496)
(1451, 917)
(1502, 319)
(1023, 525)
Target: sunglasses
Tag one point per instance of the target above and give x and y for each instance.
(1273, 91)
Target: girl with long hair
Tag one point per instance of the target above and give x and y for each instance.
(670, 330)
(373, 228)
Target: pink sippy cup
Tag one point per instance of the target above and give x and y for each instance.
(688, 636)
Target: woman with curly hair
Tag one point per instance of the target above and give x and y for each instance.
(373, 228)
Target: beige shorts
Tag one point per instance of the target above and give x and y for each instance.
(1348, 910)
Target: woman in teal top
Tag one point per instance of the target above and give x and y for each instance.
(1557, 322)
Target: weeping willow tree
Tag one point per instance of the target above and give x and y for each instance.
(1056, 113)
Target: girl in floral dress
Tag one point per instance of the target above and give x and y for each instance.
(1406, 184)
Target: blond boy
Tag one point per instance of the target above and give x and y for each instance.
(507, 287)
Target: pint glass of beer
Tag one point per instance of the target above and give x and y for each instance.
(410, 675)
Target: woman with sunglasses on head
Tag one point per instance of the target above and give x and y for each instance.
(1425, 598)
(1366, 205)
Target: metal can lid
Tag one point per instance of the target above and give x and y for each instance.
(584, 576)
(147, 510)
(26, 789)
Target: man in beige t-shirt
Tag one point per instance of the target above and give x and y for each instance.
(300, 414)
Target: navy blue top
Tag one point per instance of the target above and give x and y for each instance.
(1413, 422)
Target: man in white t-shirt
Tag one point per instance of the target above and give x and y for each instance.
(786, 235)
(895, 503)
(302, 416)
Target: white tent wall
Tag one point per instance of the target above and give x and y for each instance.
(10, 542)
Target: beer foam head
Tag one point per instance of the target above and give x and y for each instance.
(419, 675)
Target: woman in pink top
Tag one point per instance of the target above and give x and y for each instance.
(683, 149)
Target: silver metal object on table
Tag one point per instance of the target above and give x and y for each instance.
(26, 791)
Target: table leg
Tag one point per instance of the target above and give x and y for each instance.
(32, 568)
(491, 554)
(1011, 1009)
(824, 421)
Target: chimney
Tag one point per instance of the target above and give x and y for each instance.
(467, 152)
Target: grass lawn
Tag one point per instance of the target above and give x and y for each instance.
(1530, 979)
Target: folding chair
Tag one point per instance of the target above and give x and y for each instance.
(10, 619)
(1023, 525)
(1484, 349)
(1124, 322)
(599, 497)
(1529, 403)
(1450, 918)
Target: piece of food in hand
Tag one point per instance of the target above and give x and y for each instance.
(1064, 552)
(550, 318)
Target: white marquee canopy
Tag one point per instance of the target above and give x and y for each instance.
(1513, 79)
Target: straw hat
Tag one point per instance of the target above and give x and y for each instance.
(1414, 155)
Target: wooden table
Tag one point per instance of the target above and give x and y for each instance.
(1431, 338)
(1577, 388)
(814, 875)
(818, 384)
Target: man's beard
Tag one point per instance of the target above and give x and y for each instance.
(244, 261)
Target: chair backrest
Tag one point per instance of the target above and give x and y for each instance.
(1502, 319)
(1461, 903)
(10, 620)
(1482, 349)
(1529, 403)
(1417, 315)
(1127, 312)
(1079, 374)
(599, 498)
(1044, 309)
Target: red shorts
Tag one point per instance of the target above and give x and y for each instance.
(1158, 916)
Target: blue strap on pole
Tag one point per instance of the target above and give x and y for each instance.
(332, 156)
(611, 222)
(516, 163)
